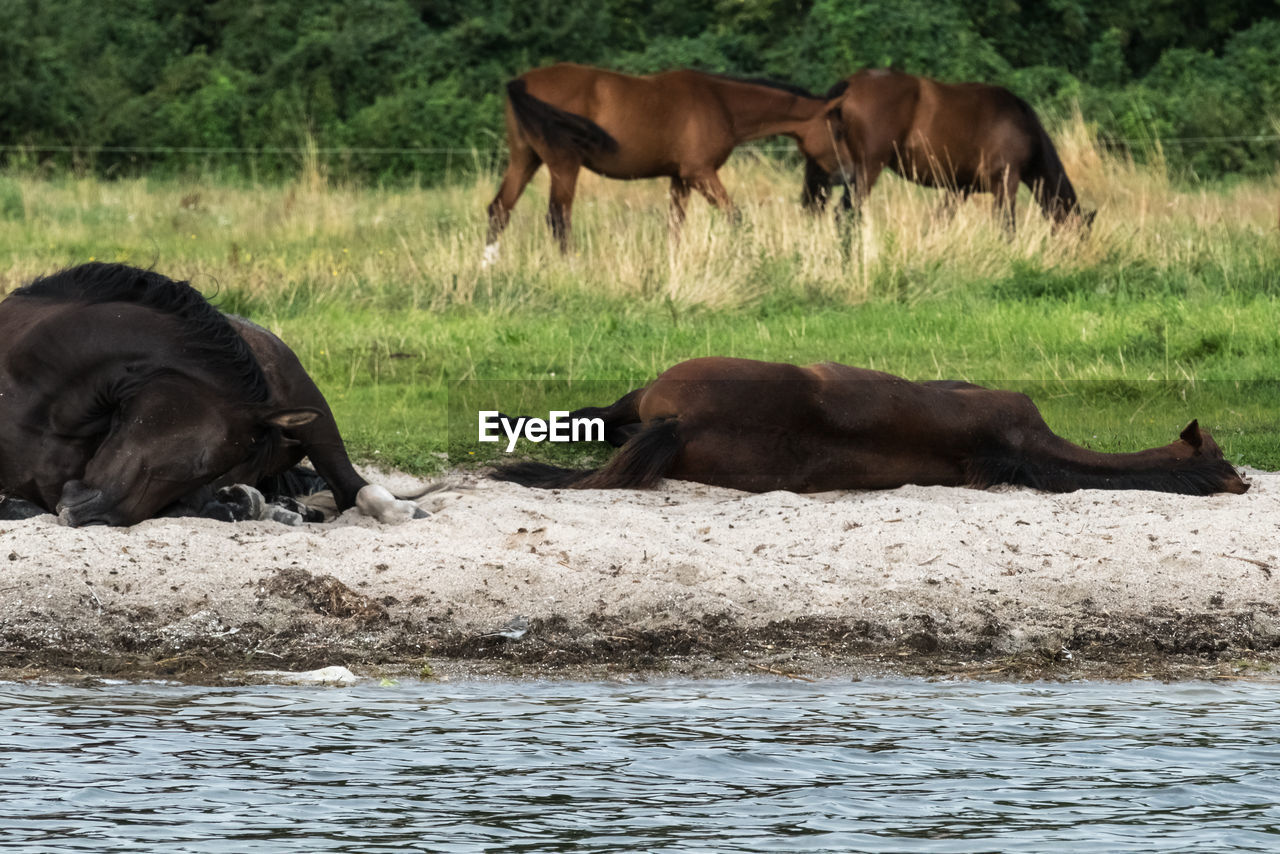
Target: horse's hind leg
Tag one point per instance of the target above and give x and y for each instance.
(523, 164)
(680, 190)
(621, 418)
(564, 181)
(708, 184)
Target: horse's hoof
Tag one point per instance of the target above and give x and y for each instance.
(279, 514)
(490, 256)
(12, 509)
(245, 503)
(378, 502)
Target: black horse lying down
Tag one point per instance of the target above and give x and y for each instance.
(125, 395)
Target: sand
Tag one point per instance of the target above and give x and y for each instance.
(681, 579)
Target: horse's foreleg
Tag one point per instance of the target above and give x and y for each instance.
(951, 201)
(856, 190)
(564, 181)
(12, 508)
(1005, 190)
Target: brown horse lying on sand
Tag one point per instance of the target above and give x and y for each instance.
(679, 124)
(962, 137)
(761, 426)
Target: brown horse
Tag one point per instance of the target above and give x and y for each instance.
(962, 137)
(679, 124)
(761, 426)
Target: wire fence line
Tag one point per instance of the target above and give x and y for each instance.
(331, 151)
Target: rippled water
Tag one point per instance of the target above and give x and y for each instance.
(895, 765)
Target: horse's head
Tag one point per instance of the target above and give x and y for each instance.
(170, 437)
(1201, 454)
(827, 156)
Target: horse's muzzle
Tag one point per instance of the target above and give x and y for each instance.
(80, 505)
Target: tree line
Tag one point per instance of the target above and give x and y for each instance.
(393, 90)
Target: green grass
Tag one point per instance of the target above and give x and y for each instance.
(1110, 375)
(1167, 312)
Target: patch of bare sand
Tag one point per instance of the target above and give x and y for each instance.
(685, 578)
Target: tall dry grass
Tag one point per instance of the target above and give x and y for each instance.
(315, 241)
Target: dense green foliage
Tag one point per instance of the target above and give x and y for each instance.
(100, 86)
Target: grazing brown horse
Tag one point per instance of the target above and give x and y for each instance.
(679, 124)
(761, 426)
(962, 137)
(125, 395)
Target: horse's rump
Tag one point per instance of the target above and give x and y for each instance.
(557, 128)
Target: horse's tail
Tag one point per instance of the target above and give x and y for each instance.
(556, 127)
(1049, 181)
(643, 461)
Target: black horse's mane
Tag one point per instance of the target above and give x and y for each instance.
(772, 84)
(210, 337)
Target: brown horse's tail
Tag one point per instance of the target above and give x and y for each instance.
(643, 461)
(557, 128)
(1048, 179)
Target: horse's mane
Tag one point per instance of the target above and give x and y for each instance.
(780, 85)
(837, 90)
(210, 338)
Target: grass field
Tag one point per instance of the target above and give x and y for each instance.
(1168, 310)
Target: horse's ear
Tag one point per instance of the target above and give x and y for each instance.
(287, 419)
(1191, 435)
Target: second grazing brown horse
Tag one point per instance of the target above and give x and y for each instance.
(761, 426)
(679, 124)
(960, 137)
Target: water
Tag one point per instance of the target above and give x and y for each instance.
(893, 765)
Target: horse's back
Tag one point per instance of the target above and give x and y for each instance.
(608, 98)
(663, 123)
(938, 133)
(768, 425)
(981, 129)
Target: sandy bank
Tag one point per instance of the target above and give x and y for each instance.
(682, 579)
